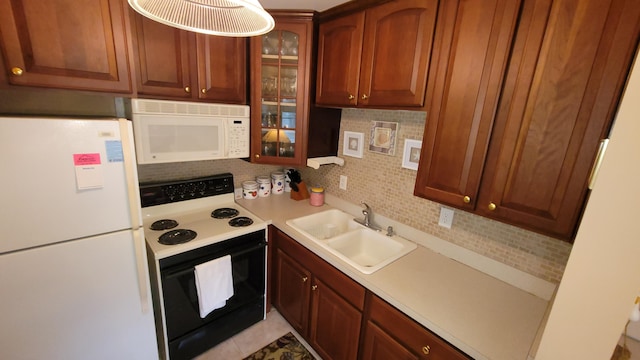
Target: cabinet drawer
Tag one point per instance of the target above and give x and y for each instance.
(409, 333)
(342, 284)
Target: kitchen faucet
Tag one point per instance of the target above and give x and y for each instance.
(368, 218)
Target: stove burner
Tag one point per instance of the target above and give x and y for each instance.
(164, 224)
(224, 213)
(240, 221)
(178, 236)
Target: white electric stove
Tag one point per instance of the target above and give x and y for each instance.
(184, 215)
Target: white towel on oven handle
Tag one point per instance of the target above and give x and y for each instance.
(214, 284)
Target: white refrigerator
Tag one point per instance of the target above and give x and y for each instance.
(74, 280)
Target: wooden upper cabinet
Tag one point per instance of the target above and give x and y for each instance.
(162, 55)
(339, 54)
(377, 58)
(67, 44)
(395, 53)
(519, 147)
(222, 68)
(173, 63)
(568, 69)
(473, 41)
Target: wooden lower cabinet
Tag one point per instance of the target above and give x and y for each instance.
(391, 335)
(328, 309)
(378, 345)
(321, 303)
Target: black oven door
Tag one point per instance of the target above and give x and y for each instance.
(188, 334)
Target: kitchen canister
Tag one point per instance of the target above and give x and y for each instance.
(264, 185)
(249, 189)
(316, 197)
(277, 182)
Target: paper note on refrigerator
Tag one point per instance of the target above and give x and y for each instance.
(88, 171)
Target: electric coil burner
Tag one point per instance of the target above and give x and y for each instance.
(178, 236)
(241, 221)
(163, 224)
(224, 213)
(190, 223)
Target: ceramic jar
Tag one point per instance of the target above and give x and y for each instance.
(277, 182)
(249, 189)
(264, 186)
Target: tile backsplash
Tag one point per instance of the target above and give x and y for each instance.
(382, 182)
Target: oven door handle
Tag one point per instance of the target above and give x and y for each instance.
(191, 269)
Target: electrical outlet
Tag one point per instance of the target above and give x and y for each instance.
(446, 217)
(343, 182)
(237, 193)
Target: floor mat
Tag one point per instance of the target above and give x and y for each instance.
(287, 347)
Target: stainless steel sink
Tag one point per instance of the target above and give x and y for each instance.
(365, 249)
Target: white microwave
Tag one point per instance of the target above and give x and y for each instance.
(177, 131)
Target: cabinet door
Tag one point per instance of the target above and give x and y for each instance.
(467, 71)
(222, 69)
(564, 80)
(162, 59)
(339, 51)
(394, 331)
(280, 94)
(335, 324)
(69, 44)
(378, 345)
(395, 54)
(292, 291)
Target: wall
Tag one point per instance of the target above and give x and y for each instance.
(388, 188)
(602, 278)
(381, 182)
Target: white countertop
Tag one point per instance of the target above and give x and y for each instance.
(483, 316)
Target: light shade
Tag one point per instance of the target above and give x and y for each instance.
(275, 136)
(213, 17)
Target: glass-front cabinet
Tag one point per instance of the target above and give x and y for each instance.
(280, 101)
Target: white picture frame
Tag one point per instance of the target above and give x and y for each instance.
(411, 154)
(353, 144)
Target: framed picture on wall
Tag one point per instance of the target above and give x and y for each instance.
(383, 137)
(411, 154)
(353, 144)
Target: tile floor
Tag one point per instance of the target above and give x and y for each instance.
(253, 339)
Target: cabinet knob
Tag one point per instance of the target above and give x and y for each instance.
(17, 71)
(314, 287)
(364, 97)
(351, 97)
(466, 199)
(492, 206)
(203, 90)
(304, 279)
(187, 89)
(426, 349)
(257, 156)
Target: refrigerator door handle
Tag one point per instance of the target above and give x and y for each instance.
(141, 264)
(134, 212)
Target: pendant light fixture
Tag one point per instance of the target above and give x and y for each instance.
(237, 18)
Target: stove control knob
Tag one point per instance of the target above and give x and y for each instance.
(191, 189)
(170, 191)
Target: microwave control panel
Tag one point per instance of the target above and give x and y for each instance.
(238, 138)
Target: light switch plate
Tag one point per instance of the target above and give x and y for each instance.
(446, 217)
(343, 182)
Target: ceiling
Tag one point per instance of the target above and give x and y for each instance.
(318, 5)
